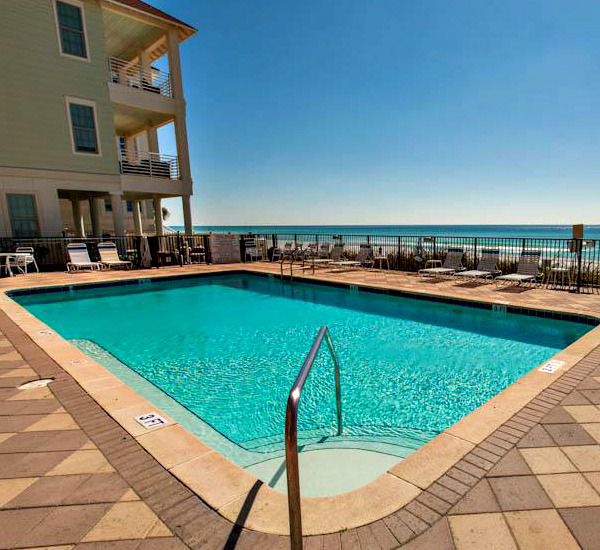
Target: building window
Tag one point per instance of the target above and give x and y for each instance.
(107, 205)
(23, 215)
(82, 117)
(129, 206)
(71, 30)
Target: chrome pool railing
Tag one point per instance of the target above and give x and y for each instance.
(291, 432)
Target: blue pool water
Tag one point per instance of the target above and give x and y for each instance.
(229, 347)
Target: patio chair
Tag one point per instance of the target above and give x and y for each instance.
(452, 264)
(79, 258)
(251, 250)
(527, 270)
(324, 250)
(487, 268)
(109, 256)
(21, 262)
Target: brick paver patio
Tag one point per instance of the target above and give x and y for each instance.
(70, 476)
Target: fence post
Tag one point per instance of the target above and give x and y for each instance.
(475, 253)
(579, 243)
(398, 253)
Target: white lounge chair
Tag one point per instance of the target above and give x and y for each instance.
(487, 268)
(452, 264)
(79, 258)
(527, 270)
(109, 256)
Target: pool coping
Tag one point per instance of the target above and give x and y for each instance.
(227, 487)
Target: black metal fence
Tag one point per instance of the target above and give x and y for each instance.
(578, 258)
(173, 249)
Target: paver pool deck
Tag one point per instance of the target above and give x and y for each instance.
(72, 476)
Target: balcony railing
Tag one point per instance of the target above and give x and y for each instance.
(154, 165)
(133, 75)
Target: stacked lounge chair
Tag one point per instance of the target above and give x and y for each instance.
(452, 264)
(487, 268)
(527, 270)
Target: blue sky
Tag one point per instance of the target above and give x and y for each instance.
(392, 112)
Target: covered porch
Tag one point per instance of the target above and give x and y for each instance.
(97, 214)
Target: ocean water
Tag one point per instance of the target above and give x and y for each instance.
(533, 231)
(228, 348)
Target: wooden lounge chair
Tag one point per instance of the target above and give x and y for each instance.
(79, 258)
(527, 270)
(452, 264)
(109, 256)
(487, 268)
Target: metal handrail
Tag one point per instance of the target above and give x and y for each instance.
(291, 432)
(146, 163)
(133, 75)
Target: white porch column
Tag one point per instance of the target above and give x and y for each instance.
(78, 224)
(48, 207)
(116, 200)
(187, 214)
(96, 209)
(158, 221)
(137, 218)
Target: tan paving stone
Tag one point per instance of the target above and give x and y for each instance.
(547, 460)
(569, 490)
(124, 520)
(11, 488)
(540, 530)
(585, 457)
(593, 430)
(82, 462)
(593, 479)
(57, 421)
(159, 530)
(5, 436)
(477, 531)
(584, 413)
(36, 393)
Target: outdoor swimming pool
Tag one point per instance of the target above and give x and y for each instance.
(220, 353)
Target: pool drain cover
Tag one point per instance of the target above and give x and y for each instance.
(41, 383)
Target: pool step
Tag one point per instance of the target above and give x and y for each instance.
(396, 444)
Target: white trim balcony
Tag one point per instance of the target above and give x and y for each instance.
(150, 165)
(133, 75)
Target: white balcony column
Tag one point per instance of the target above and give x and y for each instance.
(144, 65)
(152, 137)
(174, 64)
(137, 218)
(78, 224)
(158, 221)
(187, 214)
(183, 156)
(96, 209)
(116, 201)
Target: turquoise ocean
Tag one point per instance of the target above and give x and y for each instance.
(532, 231)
